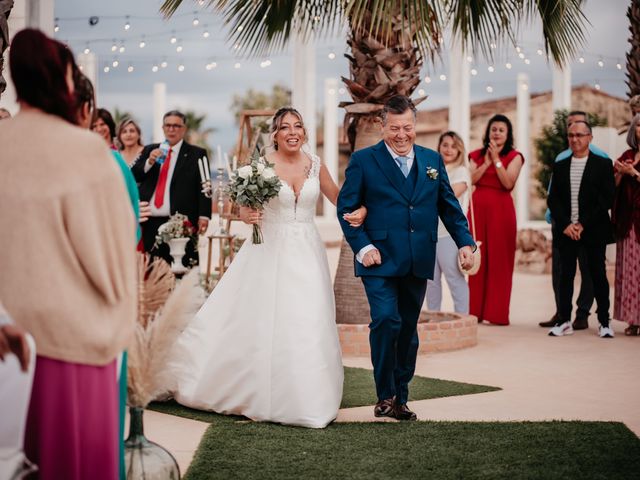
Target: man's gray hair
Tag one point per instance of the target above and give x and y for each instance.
(175, 113)
(398, 104)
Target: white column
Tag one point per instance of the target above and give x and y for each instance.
(522, 144)
(159, 109)
(304, 84)
(561, 93)
(88, 63)
(25, 13)
(459, 107)
(330, 139)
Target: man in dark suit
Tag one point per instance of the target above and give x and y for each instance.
(405, 189)
(580, 197)
(174, 186)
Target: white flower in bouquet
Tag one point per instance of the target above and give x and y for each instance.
(178, 226)
(253, 186)
(244, 172)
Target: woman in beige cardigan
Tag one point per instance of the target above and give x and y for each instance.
(68, 269)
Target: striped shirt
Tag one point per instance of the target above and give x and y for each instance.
(575, 177)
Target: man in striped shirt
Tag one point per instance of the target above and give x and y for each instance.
(580, 197)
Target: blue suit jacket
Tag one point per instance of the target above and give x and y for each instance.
(403, 228)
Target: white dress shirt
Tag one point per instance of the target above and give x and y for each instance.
(165, 210)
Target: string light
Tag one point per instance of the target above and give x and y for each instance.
(87, 50)
(489, 89)
(491, 68)
(597, 85)
(154, 69)
(127, 25)
(121, 49)
(173, 39)
(164, 64)
(130, 68)
(521, 55)
(493, 46)
(443, 77)
(474, 72)
(539, 51)
(237, 65)
(341, 91)
(114, 47)
(179, 48)
(601, 63)
(508, 65)
(181, 68)
(240, 27)
(142, 43)
(581, 59)
(618, 66)
(56, 27)
(331, 56)
(115, 64)
(206, 34)
(106, 69)
(196, 22)
(518, 49)
(527, 61)
(421, 92)
(265, 63)
(469, 59)
(427, 79)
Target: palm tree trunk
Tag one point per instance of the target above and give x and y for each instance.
(633, 55)
(380, 68)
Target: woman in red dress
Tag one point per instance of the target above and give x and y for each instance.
(494, 171)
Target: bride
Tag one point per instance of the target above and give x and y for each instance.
(264, 344)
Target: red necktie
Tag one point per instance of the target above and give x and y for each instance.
(162, 181)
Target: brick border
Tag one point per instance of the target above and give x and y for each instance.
(437, 331)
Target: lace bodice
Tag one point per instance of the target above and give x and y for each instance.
(285, 208)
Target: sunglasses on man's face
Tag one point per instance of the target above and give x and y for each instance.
(172, 126)
(578, 135)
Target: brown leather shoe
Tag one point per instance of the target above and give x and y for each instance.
(550, 323)
(384, 408)
(402, 412)
(580, 323)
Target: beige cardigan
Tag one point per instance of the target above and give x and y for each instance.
(67, 239)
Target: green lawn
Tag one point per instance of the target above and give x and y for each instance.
(233, 447)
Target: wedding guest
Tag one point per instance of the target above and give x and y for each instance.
(626, 219)
(580, 197)
(129, 138)
(451, 148)
(81, 308)
(494, 172)
(104, 126)
(4, 114)
(85, 104)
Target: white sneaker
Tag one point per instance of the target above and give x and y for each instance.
(605, 332)
(561, 330)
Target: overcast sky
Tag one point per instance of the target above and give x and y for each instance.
(210, 91)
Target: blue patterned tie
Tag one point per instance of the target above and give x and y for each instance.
(402, 163)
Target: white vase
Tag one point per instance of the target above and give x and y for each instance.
(177, 250)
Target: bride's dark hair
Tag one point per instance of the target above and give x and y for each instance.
(276, 124)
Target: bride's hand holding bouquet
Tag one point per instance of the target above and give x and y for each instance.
(251, 187)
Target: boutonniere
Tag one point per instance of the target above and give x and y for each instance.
(432, 173)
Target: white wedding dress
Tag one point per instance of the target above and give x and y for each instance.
(265, 343)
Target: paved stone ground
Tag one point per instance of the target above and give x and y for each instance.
(580, 377)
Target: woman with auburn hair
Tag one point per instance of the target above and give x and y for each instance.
(129, 140)
(81, 308)
(494, 171)
(451, 148)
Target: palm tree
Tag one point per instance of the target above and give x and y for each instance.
(196, 133)
(389, 41)
(633, 55)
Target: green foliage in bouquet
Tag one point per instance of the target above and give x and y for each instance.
(253, 185)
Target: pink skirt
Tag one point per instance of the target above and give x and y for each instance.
(72, 425)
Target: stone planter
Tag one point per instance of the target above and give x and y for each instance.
(438, 332)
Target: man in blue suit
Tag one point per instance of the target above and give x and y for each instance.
(405, 188)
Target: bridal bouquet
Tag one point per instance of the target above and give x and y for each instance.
(178, 226)
(253, 185)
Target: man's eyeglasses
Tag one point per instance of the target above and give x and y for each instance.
(577, 135)
(174, 126)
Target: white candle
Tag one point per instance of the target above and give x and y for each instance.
(207, 169)
(227, 164)
(235, 163)
(203, 178)
(219, 159)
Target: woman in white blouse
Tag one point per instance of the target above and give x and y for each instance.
(451, 147)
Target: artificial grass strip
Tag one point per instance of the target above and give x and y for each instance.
(407, 450)
(360, 389)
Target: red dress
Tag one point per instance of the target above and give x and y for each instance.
(495, 223)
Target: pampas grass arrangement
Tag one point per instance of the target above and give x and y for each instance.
(164, 311)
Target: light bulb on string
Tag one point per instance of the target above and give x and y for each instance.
(443, 77)
(56, 27)
(154, 69)
(521, 56)
(539, 51)
(130, 68)
(421, 92)
(581, 59)
(115, 64)
(331, 56)
(491, 68)
(114, 47)
(195, 22)
(121, 49)
(106, 69)
(239, 29)
(489, 89)
(206, 33)
(597, 85)
(474, 72)
(469, 59)
(527, 61)
(508, 65)
(601, 63)
(427, 79)
(142, 43)
(341, 91)
(173, 38)
(127, 25)
(181, 68)
(179, 48)
(164, 64)
(87, 50)
(619, 66)
(237, 65)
